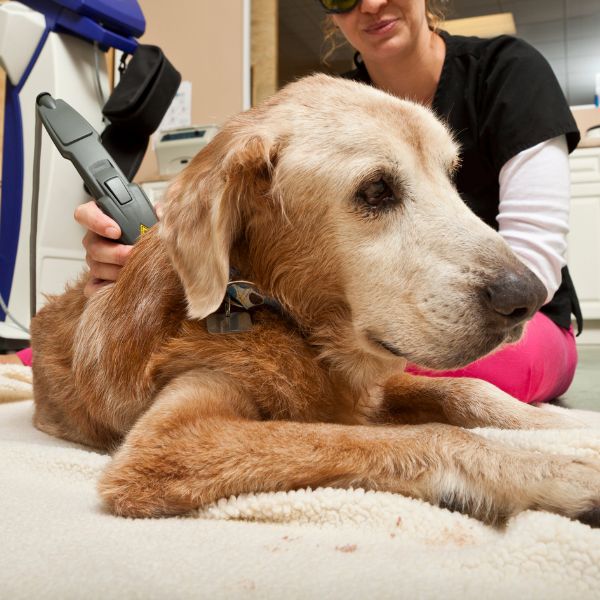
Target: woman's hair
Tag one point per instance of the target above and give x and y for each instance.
(333, 39)
(435, 12)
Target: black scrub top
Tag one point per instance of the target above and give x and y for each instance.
(499, 96)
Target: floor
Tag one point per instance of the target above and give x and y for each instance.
(585, 390)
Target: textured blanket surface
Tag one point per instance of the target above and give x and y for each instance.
(58, 542)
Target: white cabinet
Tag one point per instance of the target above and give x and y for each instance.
(584, 238)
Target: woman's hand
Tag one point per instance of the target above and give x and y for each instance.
(104, 257)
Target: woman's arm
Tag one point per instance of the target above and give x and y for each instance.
(534, 208)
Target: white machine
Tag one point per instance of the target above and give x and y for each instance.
(176, 147)
(56, 47)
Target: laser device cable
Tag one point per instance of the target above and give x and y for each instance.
(11, 317)
(35, 197)
(97, 81)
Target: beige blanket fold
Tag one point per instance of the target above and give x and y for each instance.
(15, 383)
(57, 542)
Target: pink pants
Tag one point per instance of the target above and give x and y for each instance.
(538, 368)
(25, 356)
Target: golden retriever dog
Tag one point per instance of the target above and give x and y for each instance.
(336, 201)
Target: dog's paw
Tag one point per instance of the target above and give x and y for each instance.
(128, 491)
(566, 486)
(133, 485)
(124, 497)
(562, 485)
(574, 491)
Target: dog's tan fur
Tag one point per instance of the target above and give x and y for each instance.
(309, 397)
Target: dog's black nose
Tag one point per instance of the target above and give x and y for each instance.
(515, 296)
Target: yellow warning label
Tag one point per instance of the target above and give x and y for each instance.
(143, 229)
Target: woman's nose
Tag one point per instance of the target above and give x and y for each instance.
(372, 6)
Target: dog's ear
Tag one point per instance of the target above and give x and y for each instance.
(202, 213)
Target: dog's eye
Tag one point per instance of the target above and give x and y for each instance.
(376, 195)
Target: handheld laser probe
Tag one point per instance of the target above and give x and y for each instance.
(79, 142)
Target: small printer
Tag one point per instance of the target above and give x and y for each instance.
(176, 147)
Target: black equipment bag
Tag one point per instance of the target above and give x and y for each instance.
(137, 105)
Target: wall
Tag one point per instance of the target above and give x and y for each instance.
(301, 46)
(566, 32)
(205, 41)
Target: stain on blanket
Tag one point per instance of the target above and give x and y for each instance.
(248, 585)
(456, 536)
(346, 548)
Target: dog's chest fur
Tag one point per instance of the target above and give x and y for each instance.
(279, 369)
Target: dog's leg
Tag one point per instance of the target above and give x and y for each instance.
(200, 442)
(465, 402)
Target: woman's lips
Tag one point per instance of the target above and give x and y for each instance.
(381, 27)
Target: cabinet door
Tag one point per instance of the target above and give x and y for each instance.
(584, 246)
(584, 165)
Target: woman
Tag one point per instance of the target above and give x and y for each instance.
(515, 129)
(506, 109)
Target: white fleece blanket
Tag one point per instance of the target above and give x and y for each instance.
(57, 542)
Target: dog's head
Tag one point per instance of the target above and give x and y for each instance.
(337, 199)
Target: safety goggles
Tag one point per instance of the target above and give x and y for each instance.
(338, 6)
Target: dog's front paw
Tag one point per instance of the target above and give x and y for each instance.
(131, 487)
(573, 490)
(124, 495)
(495, 487)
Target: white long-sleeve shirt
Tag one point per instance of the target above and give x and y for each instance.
(534, 208)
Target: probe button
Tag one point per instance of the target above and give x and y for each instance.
(118, 190)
